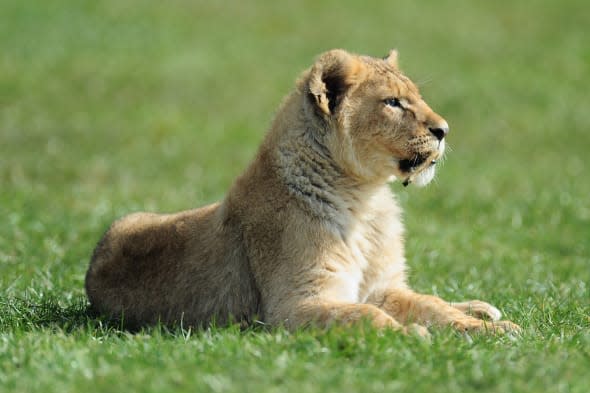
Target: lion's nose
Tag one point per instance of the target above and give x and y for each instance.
(440, 131)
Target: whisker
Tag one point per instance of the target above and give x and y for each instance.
(423, 82)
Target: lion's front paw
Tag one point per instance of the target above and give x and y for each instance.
(480, 326)
(479, 309)
(414, 329)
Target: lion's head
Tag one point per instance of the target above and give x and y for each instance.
(379, 125)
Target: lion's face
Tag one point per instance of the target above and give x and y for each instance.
(384, 129)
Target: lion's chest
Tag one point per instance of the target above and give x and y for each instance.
(371, 256)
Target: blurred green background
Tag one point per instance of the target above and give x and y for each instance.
(109, 107)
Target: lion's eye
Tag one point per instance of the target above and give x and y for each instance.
(394, 102)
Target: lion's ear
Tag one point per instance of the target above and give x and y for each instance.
(391, 59)
(330, 77)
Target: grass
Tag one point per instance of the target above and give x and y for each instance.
(108, 107)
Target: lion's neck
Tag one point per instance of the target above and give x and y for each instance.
(314, 178)
(310, 175)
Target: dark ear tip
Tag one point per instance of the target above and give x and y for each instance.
(331, 75)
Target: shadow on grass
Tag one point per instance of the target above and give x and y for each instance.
(24, 314)
(28, 314)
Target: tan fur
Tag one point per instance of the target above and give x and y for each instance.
(310, 233)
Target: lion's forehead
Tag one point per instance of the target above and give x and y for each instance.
(389, 80)
(402, 86)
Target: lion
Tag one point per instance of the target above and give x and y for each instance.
(310, 233)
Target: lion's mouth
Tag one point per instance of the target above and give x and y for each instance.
(411, 164)
(414, 165)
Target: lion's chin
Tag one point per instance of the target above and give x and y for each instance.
(421, 178)
(425, 177)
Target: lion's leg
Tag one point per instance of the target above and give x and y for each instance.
(408, 306)
(325, 314)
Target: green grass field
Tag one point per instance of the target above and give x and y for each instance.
(109, 107)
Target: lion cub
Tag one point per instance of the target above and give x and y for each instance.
(310, 233)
